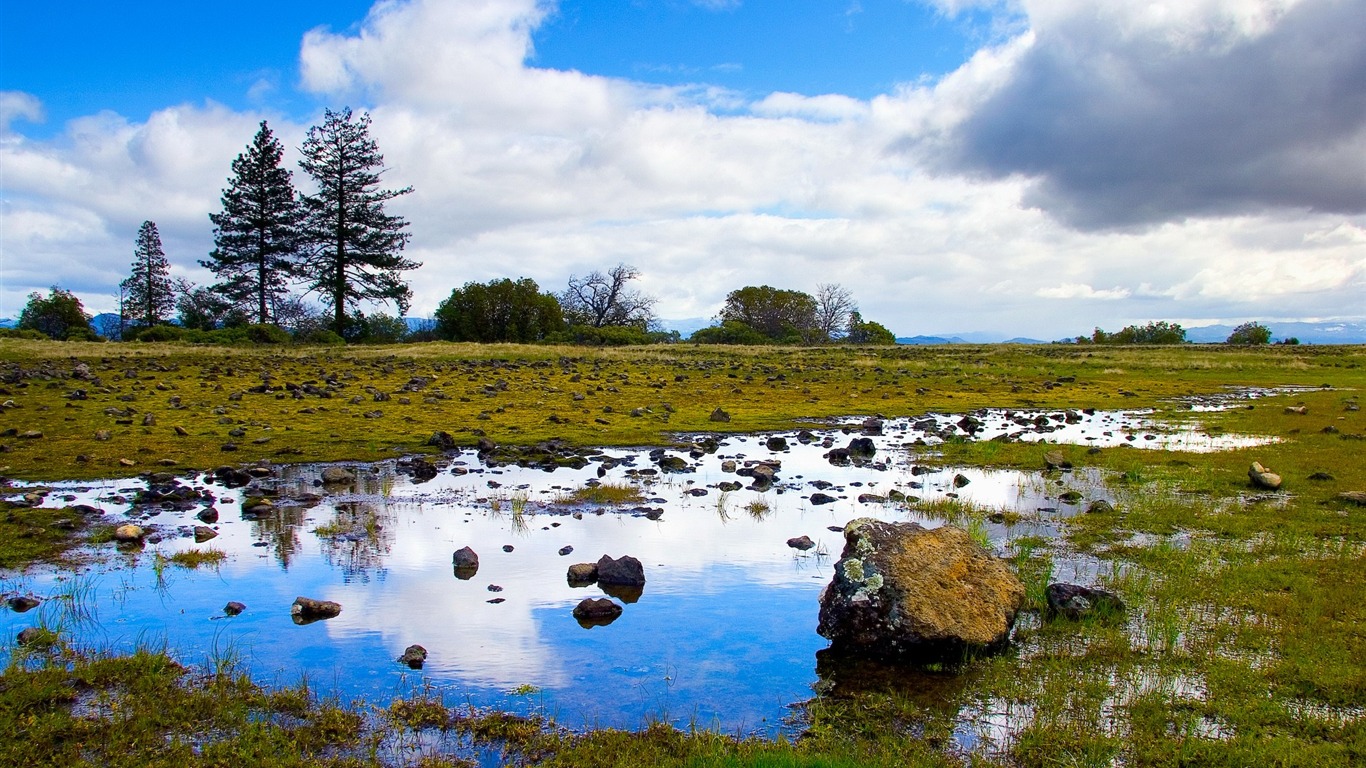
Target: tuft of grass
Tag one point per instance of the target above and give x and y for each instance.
(199, 558)
(605, 494)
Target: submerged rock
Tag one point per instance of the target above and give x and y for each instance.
(306, 610)
(1074, 601)
(625, 571)
(337, 476)
(414, 656)
(234, 608)
(906, 592)
(596, 612)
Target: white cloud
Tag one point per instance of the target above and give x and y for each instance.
(523, 171)
(17, 105)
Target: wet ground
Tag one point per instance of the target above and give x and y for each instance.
(723, 633)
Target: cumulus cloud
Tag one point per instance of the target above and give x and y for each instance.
(17, 105)
(1136, 113)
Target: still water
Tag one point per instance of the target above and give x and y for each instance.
(723, 634)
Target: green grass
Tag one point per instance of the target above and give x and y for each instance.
(1241, 643)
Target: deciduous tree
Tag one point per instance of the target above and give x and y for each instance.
(1250, 334)
(59, 315)
(781, 315)
(500, 310)
(355, 248)
(256, 236)
(600, 300)
(835, 307)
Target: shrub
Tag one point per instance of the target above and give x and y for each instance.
(729, 332)
(1250, 334)
(265, 333)
(320, 336)
(158, 333)
(22, 333)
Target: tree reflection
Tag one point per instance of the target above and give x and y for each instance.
(279, 529)
(357, 539)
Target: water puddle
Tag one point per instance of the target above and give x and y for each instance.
(722, 635)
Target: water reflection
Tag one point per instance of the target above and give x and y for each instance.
(723, 635)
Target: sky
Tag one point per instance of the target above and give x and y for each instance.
(1018, 167)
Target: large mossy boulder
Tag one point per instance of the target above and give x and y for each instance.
(902, 591)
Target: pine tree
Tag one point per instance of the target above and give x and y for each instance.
(149, 291)
(256, 237)
(355, 245)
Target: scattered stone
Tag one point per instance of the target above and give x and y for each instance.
(508, 548)
(728, 466)
(566, 549)
(1056, 460)
(337, 476)
(904, 591)
(1299, 410)
(625, 571)
(802, 543)
(22, 603)
(234, 608)
(1262, 477)
(960, 480)
(1070, 496)
(465, 559)
(442, 441)
(1100, 507)
(582, 574)
(306, 610)
(36, 637)
(414, 656)
(1353, 497)
(497, 601)
(203, 533)
(776, 444)
(719, 415)
(127, 463)
(1323, 476)
(128, 533)
(819, 498)
(596, 612)
(31, 434)
(1073, 601)
(495, 588)
(182, 432)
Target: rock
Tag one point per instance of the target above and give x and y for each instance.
(306, 610)
(626, 571)
(128, 533)
(182, 432)
(337, 476)
(1100, 507)
(1071, 496)
(203, 533)
(32, 434)
(960, 480)
(763, 474)
(728, 466)
(208, 515)
(22, 603)
(1073, 601)
(822, 498)
(673, 463)
(414, 656)
(872, 426)
(36, 637)
(1353, 497)
(596, 612)
(862, 448)
(719, 415)
(566, 549)
(582, 574)
(903, 591)
(776, 444)
(1056, 460)
(1300, 410)
(234, 608)
(442, 441)
(802, 543)
(465, 559)
(1262, 477)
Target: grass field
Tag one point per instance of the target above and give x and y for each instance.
(1243, 643)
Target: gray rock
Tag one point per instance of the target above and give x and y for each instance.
(306, 610)
(802, 543)
(1056, 460)
(582, 574)
(719, 415)
(625, 571)
(596, 612)
(414, 656)
(338, 475)
(1073, 601)
(819, 498)
(465, 558)
(1100, 507)
(203, 533)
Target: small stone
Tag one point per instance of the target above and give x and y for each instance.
(129, 533)
(181, 431)
(337, 476)
(306, 610)
(1353, 497)
(582, 574)
(719, 415)
(1262, 477)
(234, 608)
(465, 558)
(22, 603)
(566, 549)
(203, 533)
(822, 498)
(1100, 507)
(596, 612)
(625, 570)
(414, 656)
(802, 543)
(1056, 460)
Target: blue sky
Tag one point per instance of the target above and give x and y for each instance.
(1020, 167)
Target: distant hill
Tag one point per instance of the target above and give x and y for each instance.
(927, 340)
(1307, 333)
(6, 322)
(967, 338)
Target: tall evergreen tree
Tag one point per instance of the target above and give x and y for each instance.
(355, 246)
(256, 237)
(149, 291)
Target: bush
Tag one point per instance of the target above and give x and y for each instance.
(157, 333)
(58, 316)
(729, 332)
(22, 333)
(606, 336)
(320, 336)
(265, 333)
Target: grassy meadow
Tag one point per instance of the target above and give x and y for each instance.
(1244, 642)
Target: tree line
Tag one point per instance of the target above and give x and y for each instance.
(274, 246)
